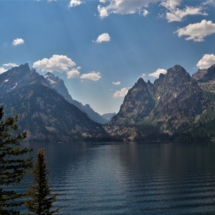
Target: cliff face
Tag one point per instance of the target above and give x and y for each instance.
(137, 104)
(174, 102)
(206, 78)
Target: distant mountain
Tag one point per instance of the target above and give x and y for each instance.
(42, 111)
(108, 116)
(59, 86)
(206, 78)
(174, 104)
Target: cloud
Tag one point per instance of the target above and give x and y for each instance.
(177, 15)
(157, 73)
(74, 73)
(18, 41)
(121, 93)
(145, 12)
(206, 61)
(103, 38)
(197, 31)
(51, 0)
(171, 4)
(143, 75)
(74, 3)
(102, 11)
(93, 76)
(116, 83)
(209, 2)
(57, 63)
(2, 70)
(123, 7)
(10, 65)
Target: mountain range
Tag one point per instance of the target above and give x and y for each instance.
(175, 106)
(43, 112)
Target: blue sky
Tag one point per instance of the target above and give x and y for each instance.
(100, 48)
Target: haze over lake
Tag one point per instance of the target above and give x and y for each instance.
(131, 178)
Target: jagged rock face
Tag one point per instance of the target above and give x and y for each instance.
(206, 78)
(59, 86)
(137, 104)
(205, 75)
(172, 102)
(180, 99)
(18, 77)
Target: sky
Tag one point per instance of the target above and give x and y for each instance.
(100, 48)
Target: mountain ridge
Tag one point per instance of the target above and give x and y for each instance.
(174, 104)
(42, 111)
(59, 86)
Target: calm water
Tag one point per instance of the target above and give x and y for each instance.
(131, 178)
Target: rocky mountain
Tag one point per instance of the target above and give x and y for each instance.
(42, 111)
(108, 116)
(175, 106)
(174, 103)
(18, 77)
(206, 78)
(59, 86)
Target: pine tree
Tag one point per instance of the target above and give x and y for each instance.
(12, 166)
(41, 200)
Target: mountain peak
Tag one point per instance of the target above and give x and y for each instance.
(205, 75)
(177, 69)
(24, 65)
(140, 82)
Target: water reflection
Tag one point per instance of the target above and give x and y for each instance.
(131, 178)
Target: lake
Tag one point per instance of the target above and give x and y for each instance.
(131, 178)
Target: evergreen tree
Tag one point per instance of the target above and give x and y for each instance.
(12, 166)
(41, 200)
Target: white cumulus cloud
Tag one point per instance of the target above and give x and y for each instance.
(174, 14)
(74, 3)
(105, 37)
(93, 76)
(124, 7)
(121, 93)
(177, 14)
(197, 31)
(2, 70)
(171, 4)
(145, 12)
(18, 41)
(57, 63)
(206, 61)
(157, 73)
(74, 73)
(116, 83)
(10, 65)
